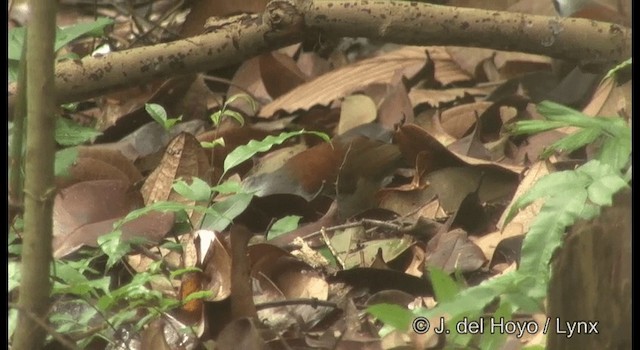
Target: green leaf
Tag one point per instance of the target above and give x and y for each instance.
(12, 321)
(616, 152)
(393, 315)
(66, 35)
(215, 117)
(245, 97)
(204, 294)
(522, 302)
(63, 36)
(549, 185)
(217, 142)
(15, 41)
(574, 141)
(14, 275)
(64, 160)
(615, 70)
(157, 112)
(69, 133)
(533, 126)
(180, 272)
(284, 225)
(601, 191)
(228, 187)
(226, 211)
(235, 115)
(114, 247)
(474, 299)
(198, 190)
(171, 122)
(245, 152)
(546, 235)
(444, 287)
(494, 340)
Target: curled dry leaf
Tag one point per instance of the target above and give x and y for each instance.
(446, 70)
(436, 98)
(279, 73)
(342, 82)
(396, 108)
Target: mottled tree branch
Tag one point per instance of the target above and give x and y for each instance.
(231, 40)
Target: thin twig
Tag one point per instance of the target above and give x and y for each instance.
(327, 242)
(313, 302)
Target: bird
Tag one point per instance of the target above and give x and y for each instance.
(351, 168)
(591, 9)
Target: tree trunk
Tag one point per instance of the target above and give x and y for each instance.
(591, 282)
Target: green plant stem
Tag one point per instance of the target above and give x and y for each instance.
(39, 179)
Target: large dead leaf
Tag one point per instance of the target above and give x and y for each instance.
(247, 80)
(457, 121)
(100, 164)
(453, 251)
(342, 82)
(396, 108)
(446, 70)
(453, 184)
(149, 139)
(183, 159)
(85, 211)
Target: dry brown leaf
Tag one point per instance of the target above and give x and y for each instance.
(610, 99)
(446, 70)
(89, 169)
(149, 139)
(87, 210)
(282, 276)
(279, 73)
(453, 251)
(396, 108)
(341, 82)
(184, 158)
(436, 98)
(92, 201)
(470, 58)
(458, 120)
(247, 80)
(356, 110)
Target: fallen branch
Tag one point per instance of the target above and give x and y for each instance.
(229, 41)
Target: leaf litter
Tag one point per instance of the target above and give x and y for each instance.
(426, 141)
